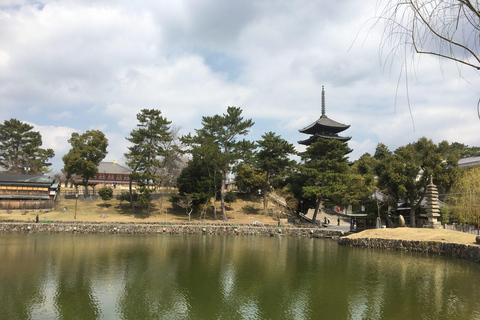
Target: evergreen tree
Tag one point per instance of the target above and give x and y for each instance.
(326, 168)
(223, 131)
(404, 174)
(20, 149)
(272, 159)
(144, 156)
(88, 150)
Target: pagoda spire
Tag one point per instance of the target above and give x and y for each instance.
(323, 101)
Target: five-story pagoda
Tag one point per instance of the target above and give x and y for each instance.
(324, 127)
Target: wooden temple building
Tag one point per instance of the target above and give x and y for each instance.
(109, 173)
(22, 192)
(324, 127)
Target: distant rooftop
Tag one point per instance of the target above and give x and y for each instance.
(470, 161)
(112, 168)
(25, 180)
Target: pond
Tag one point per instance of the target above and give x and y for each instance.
(65, 276)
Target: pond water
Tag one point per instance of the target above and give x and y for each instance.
(62, 276)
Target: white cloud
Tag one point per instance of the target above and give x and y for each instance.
(54, 137)
(75, 65)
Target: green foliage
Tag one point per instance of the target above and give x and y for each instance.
(404, 174)
(106, 193)
(249, 179)
(465, 196)
(218, 141)
(144, 155)
(87, 151)
(144, 196)
(230, 197)
(273, 159)
(274, 154)
(295, 183)
(326, 171)
(445, 214)
(20, 150)
(326, 166)
(174, 197)
(200, 179)
(125, 196)
(464, 150)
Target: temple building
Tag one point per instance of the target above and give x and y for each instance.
(109, 173)
(324, 127)
(27, 192)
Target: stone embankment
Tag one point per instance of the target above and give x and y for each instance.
(166, 228)
(454, 250)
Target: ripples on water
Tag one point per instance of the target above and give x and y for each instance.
(226, 277)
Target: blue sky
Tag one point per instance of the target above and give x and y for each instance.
(70, 66)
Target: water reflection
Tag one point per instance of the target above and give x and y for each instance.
(226, 277)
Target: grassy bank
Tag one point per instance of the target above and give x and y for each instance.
(242, 211)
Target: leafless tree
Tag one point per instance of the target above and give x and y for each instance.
(448, 29)
(173, 163)
(186, 202)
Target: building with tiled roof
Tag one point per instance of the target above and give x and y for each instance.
(469, 161)
(23, 191)
(109, 173)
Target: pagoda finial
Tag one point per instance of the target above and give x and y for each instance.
(323, 101)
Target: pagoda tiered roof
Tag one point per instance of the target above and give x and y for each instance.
(325, 124)
(315, 136)
(324, 127)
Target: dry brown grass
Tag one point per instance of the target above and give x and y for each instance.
(418, 234)
(163, 211)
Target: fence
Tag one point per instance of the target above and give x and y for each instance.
(462, 228)
(116, 191)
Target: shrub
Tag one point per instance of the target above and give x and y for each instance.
(230, 197)
(106, 193)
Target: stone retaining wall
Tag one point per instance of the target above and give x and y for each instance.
(158, 228)
(444, 248)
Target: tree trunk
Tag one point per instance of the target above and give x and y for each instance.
(86, 187)
(265, 201)
(222, 196)
(317, 208)
(412, 216)
(131, 195)
(389, 220)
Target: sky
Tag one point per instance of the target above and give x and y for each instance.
(76, 65)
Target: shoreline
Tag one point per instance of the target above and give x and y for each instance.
(430, 241)
(7, 227)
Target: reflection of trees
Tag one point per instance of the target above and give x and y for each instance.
(408, 286)
(203, 277)
(149, 276)
(21, 276)
(74, 298)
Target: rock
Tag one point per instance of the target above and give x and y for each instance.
(478, 239)
(401, 221)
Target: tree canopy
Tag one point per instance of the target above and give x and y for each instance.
(273, 158)
(465, 196)
(326, 169)
(404, 174)
(145, 154)
(223, 132)
(20, 149)
(87, 151)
